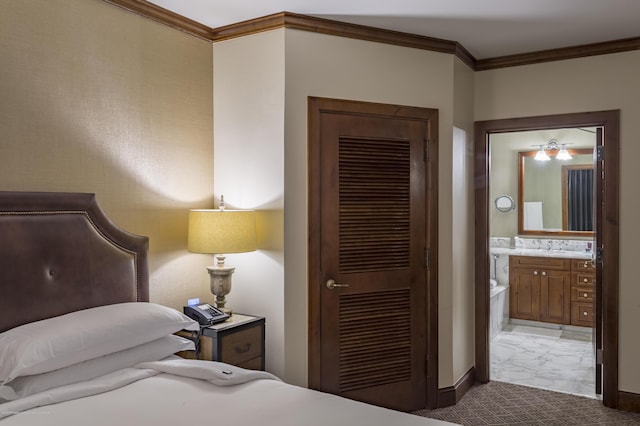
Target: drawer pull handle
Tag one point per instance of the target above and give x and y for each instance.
(535, 272)
(586, 295)
(586, 263)
(544, 273)
(243, 349)
(585, 313)
(585, 280)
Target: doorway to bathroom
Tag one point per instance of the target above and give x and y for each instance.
(542, 294)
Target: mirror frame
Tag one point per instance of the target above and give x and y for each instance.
(521, 231)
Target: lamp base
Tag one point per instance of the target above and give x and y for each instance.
(220, 283)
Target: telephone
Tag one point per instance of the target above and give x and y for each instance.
(205, 314)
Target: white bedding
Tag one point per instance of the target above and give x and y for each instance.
(168, 392)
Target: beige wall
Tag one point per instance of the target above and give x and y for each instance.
(249, 170)
(462, 348)
(334, 67)
(503, 181)
(253, 100)
(96, 99)
(586, 84)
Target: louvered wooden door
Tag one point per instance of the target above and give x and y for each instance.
(372, 259)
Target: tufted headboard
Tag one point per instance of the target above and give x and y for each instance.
(60, 253)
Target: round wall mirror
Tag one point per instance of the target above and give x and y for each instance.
(505, 203)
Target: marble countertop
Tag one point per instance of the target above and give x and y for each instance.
(569, 254)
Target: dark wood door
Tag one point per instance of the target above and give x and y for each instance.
(599, 189)
(374, 243)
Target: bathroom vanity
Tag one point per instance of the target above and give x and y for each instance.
(551, 289)
(583, 280)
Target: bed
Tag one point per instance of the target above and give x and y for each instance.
(80, 343)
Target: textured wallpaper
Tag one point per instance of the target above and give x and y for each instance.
(96, 99)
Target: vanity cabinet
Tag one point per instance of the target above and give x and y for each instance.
(549, 289)
(540, 289)
(583, 275)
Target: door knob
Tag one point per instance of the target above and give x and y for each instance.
(331, 284)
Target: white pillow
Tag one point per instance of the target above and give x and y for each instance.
(152, 351)
(58, 342)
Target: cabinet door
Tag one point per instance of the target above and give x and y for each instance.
(555, 296)
(524, 294)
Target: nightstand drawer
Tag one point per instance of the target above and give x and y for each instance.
(242, 346)
(253, 364)
(237, 341)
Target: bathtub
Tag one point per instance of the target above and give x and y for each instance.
(499, 310)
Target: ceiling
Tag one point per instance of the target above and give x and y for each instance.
(487, 29)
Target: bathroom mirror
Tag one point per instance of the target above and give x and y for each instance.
(556, 197)
(505, 203)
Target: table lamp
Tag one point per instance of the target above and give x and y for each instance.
(219, 232)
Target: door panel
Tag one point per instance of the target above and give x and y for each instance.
(373, 239)
(555, 300)
(524, 296)
(371, 280)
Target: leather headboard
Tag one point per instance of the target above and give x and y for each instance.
(60, 253)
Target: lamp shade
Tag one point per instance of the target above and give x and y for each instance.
(541, 156)
(222, 231)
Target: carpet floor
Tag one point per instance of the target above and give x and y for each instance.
(498, 403)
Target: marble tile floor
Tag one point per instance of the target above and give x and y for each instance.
(556, 360)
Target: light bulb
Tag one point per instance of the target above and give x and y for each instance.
(541, 155)
(563, 154)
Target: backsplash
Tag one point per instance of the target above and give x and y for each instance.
(584, 246)
(553, 244)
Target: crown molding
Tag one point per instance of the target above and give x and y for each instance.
(362, 32)
(550, 55)
(164, 16)
(340, 29)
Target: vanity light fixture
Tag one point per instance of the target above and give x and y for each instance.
(552, 146)
(541, 155)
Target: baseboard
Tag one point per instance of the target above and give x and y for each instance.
(451, 395)
(628, 401)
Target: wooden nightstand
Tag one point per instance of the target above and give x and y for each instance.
(237, 341)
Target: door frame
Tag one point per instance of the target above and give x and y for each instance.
(317, 106)
(609, 120)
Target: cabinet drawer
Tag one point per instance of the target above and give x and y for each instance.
(584, 279)
(548, 263)
(582, 294)
(582, 265)
(253, 364)
(582, 314)
(242, 346)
